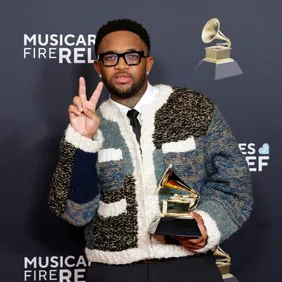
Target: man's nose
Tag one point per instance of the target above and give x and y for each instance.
(121, 64)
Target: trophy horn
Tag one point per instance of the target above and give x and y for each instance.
(172, 181)
(211, 31)
(175, 219)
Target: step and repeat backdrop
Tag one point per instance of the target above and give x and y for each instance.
(228, 50)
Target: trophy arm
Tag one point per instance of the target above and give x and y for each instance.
(220, 253)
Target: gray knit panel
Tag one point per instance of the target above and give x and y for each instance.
(186, 113)
(218, 212)
(79, 214)
(88, 233)
(111, 175)
(228, 178)
(61, 179)
(189, 166)
(117, 233)
(114, 139)
(159, 164)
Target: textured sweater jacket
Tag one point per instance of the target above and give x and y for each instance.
(107, 184)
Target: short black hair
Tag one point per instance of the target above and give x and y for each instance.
(119, 25)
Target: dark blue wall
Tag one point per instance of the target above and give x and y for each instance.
(35, 94)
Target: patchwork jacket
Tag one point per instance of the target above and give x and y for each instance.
(107, 184)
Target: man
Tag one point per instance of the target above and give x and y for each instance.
(108, 172)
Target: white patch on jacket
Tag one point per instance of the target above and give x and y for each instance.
(106, 155)
(112, 209)
(180, 146)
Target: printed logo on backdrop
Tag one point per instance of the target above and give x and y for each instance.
(257, 156)
(218, 63)
(63, 48)
(55, 268)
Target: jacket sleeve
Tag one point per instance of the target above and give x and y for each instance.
(74, 192)
(226, 196)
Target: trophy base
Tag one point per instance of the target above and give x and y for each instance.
(224, 268)
(171, 226)
(218, 54)
(229, 278)
(216, 71)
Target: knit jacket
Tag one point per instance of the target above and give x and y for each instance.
(107, 184)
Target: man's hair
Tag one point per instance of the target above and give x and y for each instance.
(120, 25)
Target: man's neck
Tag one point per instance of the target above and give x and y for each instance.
(131, 101)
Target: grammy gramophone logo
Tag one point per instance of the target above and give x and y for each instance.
(218, 63)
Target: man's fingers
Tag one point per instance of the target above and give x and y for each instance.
(189, 243)
(198, 243)
(193, 248)
(91, 114)
(192, 241)
(78, 103)
(73, 110)
(82, 89)
(200, 223)
(195, 241)
(82, 94)
(197, 217)
(96, 95)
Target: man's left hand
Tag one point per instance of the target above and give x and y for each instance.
(195, 244)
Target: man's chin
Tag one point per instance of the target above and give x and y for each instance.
(123, 94)
(122, 90)
(123, 86)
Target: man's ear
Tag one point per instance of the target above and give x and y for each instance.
(97, 67)
(150, 62)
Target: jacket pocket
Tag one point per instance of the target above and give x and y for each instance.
(112, 209)
(111, 182)
(116, 226)
(110, 170)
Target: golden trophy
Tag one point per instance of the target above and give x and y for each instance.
(175, 219)
(219, 53)
(223, 260)
(217, 64)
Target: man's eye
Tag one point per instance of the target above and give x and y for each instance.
(133, 56)
(109, 58)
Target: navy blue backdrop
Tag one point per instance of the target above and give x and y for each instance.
(39, 78)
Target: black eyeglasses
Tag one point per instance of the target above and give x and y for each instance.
(131, 58)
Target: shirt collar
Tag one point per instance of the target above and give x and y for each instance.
(147, 98)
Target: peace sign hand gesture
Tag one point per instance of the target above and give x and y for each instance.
(82, 114)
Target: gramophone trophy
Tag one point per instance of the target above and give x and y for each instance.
(217, 63)
(175, 219)
(223, 261)
(219, 53)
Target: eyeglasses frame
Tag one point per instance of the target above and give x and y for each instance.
(100, 57)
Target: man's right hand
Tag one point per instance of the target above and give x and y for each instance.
(82, 114)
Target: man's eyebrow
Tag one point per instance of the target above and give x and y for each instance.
(111, 51)
(108, 51)
(129, 50)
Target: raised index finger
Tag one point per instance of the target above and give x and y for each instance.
(96, 95)
(82, 89)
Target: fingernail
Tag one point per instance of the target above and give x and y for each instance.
(81, 109)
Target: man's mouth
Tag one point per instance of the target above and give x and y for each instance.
(122, 78)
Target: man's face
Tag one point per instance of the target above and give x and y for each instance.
(122, 80)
